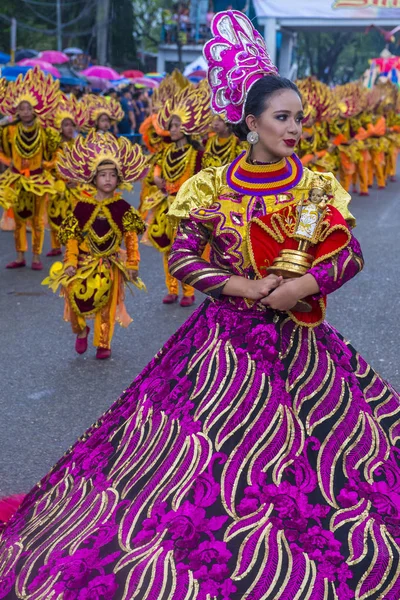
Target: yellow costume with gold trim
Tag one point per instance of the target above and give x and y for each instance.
(93, 235)
(221, 151)
(28, 151)
(175, 165)
(60, 205)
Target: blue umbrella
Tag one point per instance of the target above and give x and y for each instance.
(72, 81)
(4, 58)
(11, 73)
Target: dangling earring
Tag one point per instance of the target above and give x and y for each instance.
(252, 137)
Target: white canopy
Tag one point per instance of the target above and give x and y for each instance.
(366, 10)
(200, 64)
(289, 16)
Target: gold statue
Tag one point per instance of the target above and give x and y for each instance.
(310, 215)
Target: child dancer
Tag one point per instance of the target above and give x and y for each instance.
(93, 276)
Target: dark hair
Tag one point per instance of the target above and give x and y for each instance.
(194, 143)
(258, 97)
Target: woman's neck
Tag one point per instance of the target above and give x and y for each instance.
(262, 155)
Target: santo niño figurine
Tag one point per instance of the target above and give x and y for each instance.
(296, 238)
(308, 230)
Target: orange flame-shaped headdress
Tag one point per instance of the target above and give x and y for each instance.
(70, 108)
(80, 161)
(41, 91)
(192, 106)
(102, 105)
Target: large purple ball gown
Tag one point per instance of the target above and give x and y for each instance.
(252, 458)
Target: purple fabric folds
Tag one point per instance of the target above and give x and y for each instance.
(252, 458)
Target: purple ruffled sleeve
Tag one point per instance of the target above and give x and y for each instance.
(185, 262)
(333, 273)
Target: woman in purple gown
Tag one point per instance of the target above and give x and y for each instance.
(255, 456)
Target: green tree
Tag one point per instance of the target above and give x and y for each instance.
(338, 57)
(36, 23)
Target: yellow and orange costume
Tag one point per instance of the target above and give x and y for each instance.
(155, 138)
(27, 151)
(93, 235)
(60, 205)
(316, 150)
(351, 130)
(175, 165)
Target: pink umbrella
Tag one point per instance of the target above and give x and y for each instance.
(45, 66)
(98, 83)
(102, 72)
(54, 57)
(146, 82)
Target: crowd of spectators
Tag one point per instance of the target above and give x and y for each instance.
(179, 25)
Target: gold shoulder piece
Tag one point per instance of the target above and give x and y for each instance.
(201, 190)
(132, 221)
(69, 230)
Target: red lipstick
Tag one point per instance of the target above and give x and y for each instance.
(290, 143)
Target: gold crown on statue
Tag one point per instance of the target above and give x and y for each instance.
(81, 160)
(41, 91)
(192, 106)
(322, 184)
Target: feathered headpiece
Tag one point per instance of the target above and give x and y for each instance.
(373, 99)
(41, 91)
(192, 106)
(388, 92)
(70, 108)
(318, 99)
(351, 99)
(237, 57)
(102, 105)
(168, 88)
(80, 161)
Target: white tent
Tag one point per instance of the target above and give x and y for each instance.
(200, 64)
(289, 16)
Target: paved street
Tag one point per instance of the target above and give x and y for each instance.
(49, 395)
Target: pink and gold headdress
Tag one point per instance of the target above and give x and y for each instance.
(102, 105)
(41, 91)
(192, 106)
(237, 57)
(80, 161)
(319, 101)
(70, 108)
